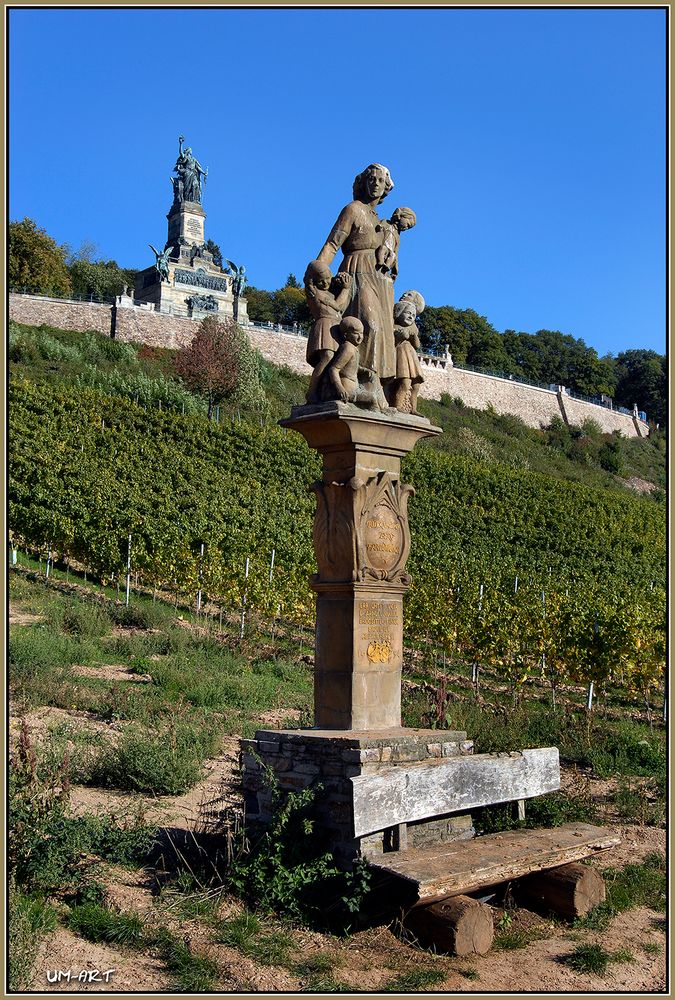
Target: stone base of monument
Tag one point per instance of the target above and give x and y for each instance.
(385, 791)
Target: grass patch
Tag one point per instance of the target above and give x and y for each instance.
(651, 947)
(549, 810)
(246, 933)
(97, 923)
(192, 973)
(414, 981)
(167, 761)
(30, 918)
(594, 959)
(642, 884)
(511, 939)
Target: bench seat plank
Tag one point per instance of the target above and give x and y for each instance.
(461, 866)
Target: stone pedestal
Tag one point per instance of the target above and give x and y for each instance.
(361, 541)
(334, 763)
(186, 221)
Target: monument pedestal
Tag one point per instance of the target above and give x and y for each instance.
(343, 764)
(361, 541)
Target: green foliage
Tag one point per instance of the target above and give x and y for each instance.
(35, 260)
(639, 884)
(287, 868)
(168, 761)
(193, 973)
(30, 918)
(642, 378)
(98, 923)
(415, 981)
(589, 958)
(594, 958)
(48, 850)
(100, 279)
(246, 933)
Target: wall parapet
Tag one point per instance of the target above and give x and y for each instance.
(130, 321)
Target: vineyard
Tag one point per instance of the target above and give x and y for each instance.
(160, 610)
(514, 570)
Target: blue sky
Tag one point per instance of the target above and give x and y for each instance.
(531, 144)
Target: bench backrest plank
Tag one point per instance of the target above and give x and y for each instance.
(396, 795)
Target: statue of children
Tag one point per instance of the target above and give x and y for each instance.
(327, 298)
(344, 370)
(409, 378)
(386, 255)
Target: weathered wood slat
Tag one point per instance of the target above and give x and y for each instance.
(462, 866)
(396, 795)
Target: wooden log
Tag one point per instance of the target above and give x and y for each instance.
(459, 926)
(569, 891)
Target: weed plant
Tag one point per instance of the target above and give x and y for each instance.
(30, 918)
(167, 761)
(414, 981)
(594, 958)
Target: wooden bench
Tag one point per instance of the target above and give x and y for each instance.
(434, 873)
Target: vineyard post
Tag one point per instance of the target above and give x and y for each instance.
(49, 560)
(589, 700)
(126, 598)
(474, 671)
(243, 603)
(14, 556)
(199, 592)
(272, 564)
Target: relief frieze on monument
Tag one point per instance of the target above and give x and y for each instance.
(361, 531)
(200, 279)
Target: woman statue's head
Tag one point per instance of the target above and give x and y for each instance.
(372, 183)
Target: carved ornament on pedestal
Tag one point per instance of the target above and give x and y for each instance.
(361, 531)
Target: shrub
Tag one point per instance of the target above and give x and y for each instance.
(167, 762)
(610, 457)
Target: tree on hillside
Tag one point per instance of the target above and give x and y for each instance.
(215, 252)
(642, 378)
(36, 261)
(260, 305)
(290, 306)
(549, 356)
(100, 279)
(292, 281)
(221, 365)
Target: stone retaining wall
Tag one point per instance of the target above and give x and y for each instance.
(60, 313)
(139, 324)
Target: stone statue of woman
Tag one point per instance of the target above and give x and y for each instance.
(358, 232)
(190, 173)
